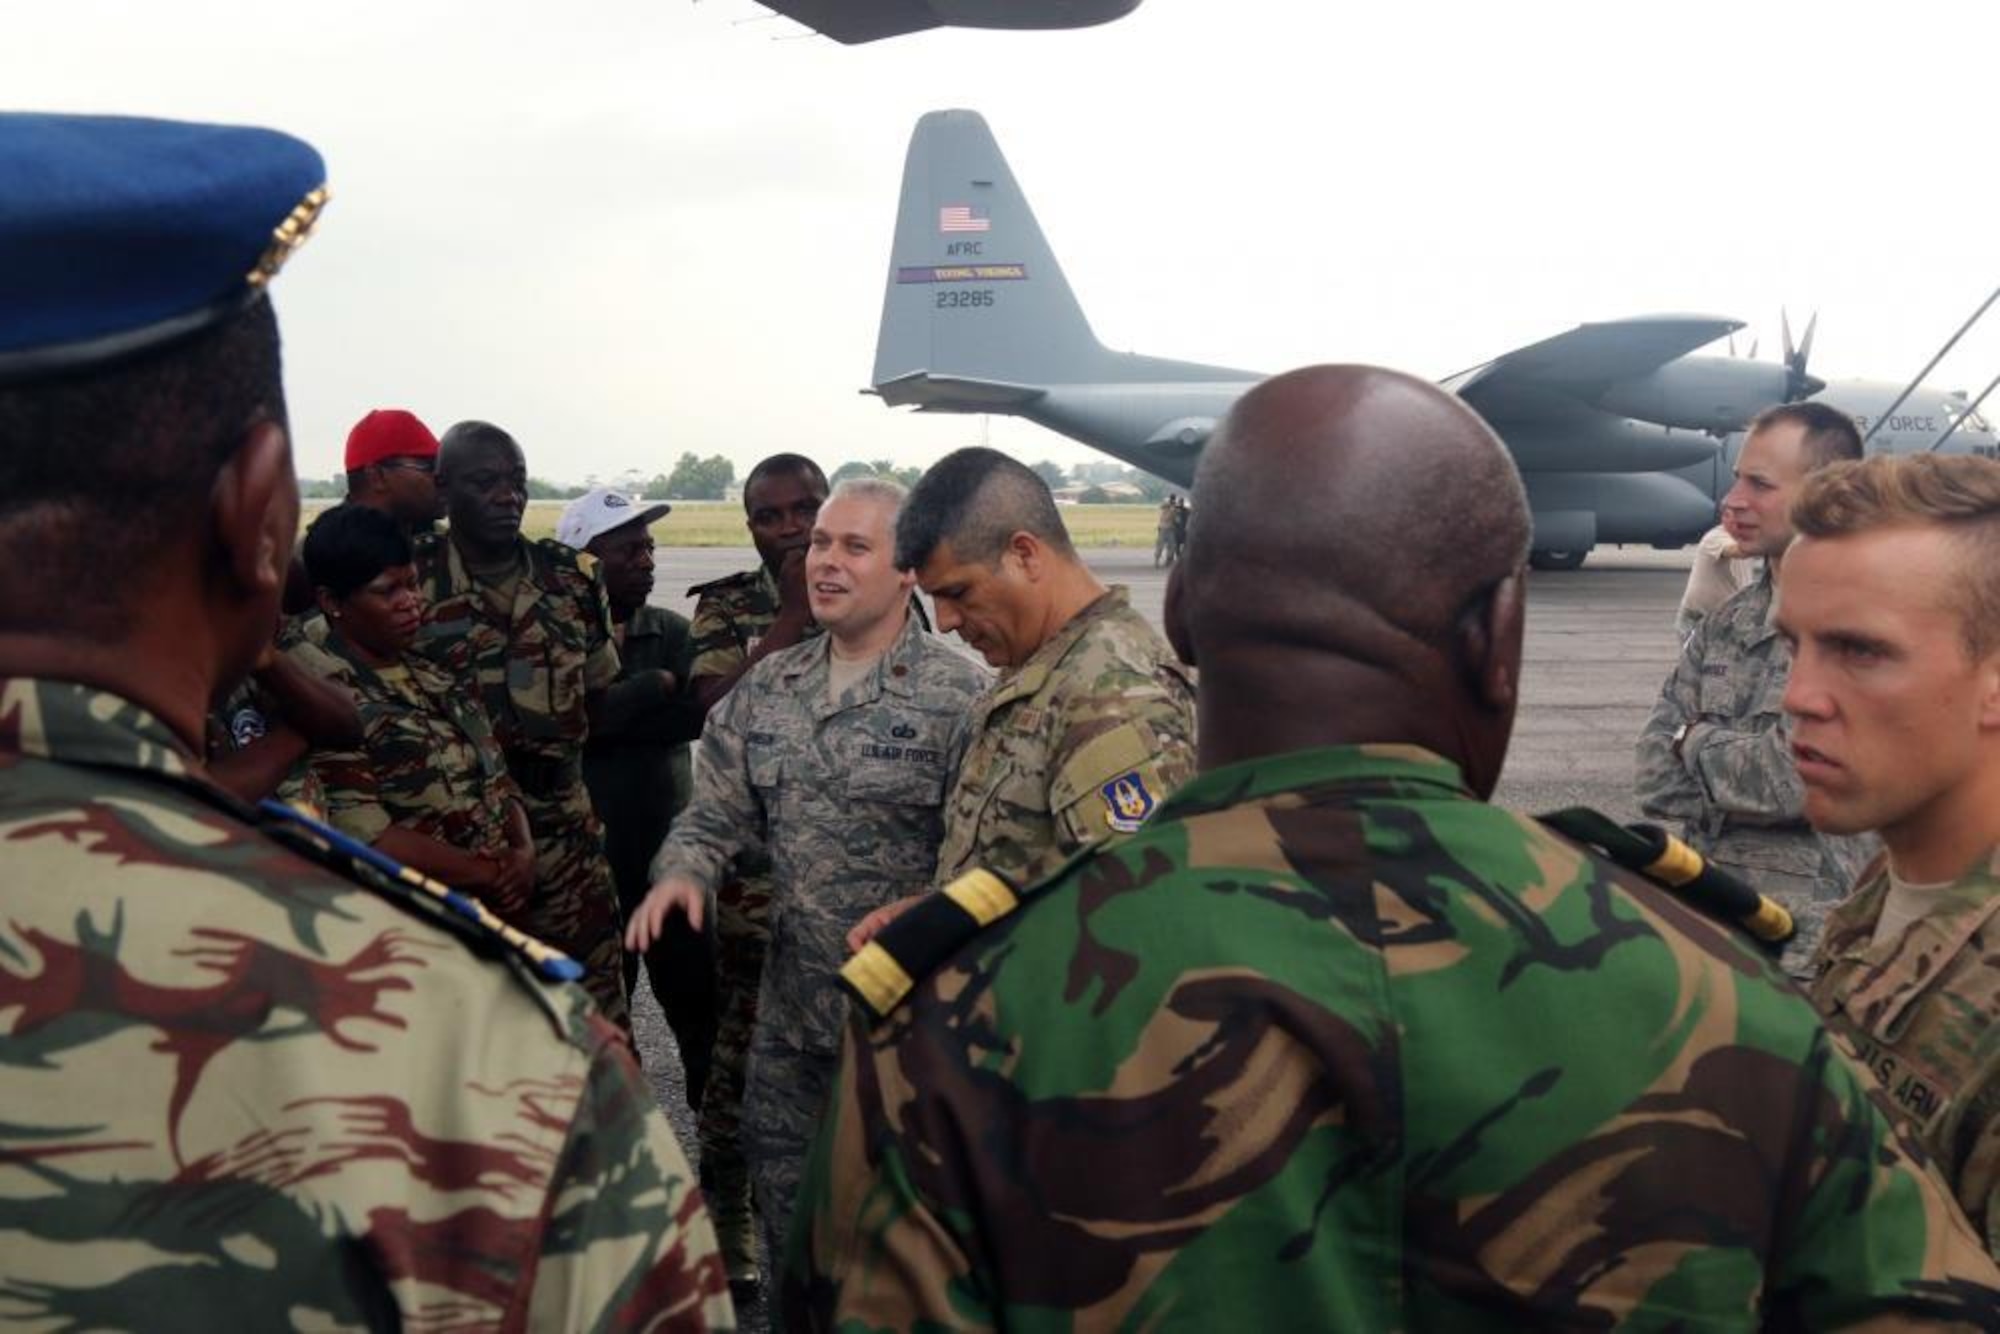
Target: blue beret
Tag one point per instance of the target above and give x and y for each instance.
(119, 234)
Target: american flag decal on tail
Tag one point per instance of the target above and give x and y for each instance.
(963, 218)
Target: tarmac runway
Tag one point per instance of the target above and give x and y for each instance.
(1600, 641)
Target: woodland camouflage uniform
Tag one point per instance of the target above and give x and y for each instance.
(1332, 1044)
(1923, 1009)
(246, 1090)
(533, 662)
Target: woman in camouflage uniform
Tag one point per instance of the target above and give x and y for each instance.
(429, 785)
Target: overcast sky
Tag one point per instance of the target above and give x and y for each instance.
(628, 228)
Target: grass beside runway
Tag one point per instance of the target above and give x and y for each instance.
(708, 523)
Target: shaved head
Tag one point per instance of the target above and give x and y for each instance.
(1358, 526)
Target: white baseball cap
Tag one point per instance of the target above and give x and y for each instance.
(598, 511)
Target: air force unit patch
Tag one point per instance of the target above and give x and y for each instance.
(1127, 802)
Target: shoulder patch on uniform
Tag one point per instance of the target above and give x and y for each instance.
(1105, 758)
(1127, 801)
(726, 581)
(563, 556)
(321, 842)
(1675, 866)
(889, 967)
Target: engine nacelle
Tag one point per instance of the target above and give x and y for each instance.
(1699, 393)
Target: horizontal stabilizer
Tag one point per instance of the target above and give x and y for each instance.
(953, 393)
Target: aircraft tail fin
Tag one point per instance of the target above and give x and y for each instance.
(974, 293)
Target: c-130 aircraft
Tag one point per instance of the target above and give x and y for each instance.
(1620, 433)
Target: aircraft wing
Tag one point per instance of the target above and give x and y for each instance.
(1587, 360)
(855, 21)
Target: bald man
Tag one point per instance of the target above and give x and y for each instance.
(1331, 1043)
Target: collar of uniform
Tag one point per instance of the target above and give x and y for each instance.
(1371, 766)
(1753, 608)
(426, 675)
(79, 724)
(527, 589)
(1895, 973)
(646, 623)
(1035, 672)
(903, 654)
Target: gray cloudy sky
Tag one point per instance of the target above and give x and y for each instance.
(628, 228)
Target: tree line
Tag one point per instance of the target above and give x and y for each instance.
(696, 478)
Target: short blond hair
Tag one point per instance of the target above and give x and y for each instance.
(1959, 493)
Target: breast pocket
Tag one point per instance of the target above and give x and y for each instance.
(897, 783)
(765, 764)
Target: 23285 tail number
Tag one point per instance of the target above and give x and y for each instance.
(954, 297)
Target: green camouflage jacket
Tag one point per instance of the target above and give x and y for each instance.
(535, 665)
(1331, 1044)
(1078, 744)
(428, 760)
(1923, 1009)
(243, 1090)
(730, 615)
(1734, 785)
(847, 796)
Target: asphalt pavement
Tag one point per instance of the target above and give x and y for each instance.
(1600, 641)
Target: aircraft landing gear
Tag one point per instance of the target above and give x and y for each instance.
(1557, 560)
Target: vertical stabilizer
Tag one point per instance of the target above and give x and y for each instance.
(974, 292)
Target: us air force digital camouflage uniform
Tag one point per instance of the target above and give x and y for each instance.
(730, 616)
(533, 663)
(848, 797)
(1734, 784)
(244, 1090)
(1078, 744)
(428, 763)
(1923, 1009)
(1330, 1044)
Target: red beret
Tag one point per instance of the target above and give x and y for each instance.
(389, 433)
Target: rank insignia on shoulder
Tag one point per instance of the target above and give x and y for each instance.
(887, 968)
(1674, 865)
(306, 832)
(1127, 801)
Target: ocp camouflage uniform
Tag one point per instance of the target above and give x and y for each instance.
(848, 797)
(1331, 1044)
(1077, 745)
(534, 657)
(1734, 783)
(1923, 1010)
(731, 615)
(244, 1090)
(428, 763)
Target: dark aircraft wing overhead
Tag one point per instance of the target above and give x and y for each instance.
(855, 21)
(1588, 359)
